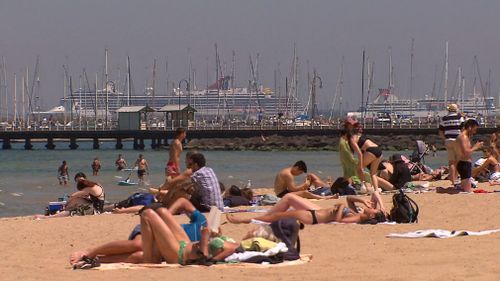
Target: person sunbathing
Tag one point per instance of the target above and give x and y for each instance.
(164, 239)
(130, 251)
(309, 213)
(485, 167)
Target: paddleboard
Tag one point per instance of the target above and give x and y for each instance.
(129, 169)
(127, 183)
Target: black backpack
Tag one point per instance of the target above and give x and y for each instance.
(404, 209)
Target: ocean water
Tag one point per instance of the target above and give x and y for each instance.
(28, 179)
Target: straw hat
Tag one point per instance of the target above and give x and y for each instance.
(452, 107)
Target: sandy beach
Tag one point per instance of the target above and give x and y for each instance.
(39, 250)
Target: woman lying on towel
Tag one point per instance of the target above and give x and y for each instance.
(163, 238)
(370, 211)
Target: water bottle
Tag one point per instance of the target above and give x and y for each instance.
(249, 184)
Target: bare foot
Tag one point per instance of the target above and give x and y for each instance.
(77, 256)
(39, 217)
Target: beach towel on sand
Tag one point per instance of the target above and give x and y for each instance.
(110, 266)
(440, 233)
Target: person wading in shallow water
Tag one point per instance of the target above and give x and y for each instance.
(62, 173)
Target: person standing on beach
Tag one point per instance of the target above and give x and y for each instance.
(62, 173)
(172, 169)
(464, 153)
(142, 167)
(120, 163)
(449, 129)
(96, 166)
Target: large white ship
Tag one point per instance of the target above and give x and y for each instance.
(218, 100)
(388, 103)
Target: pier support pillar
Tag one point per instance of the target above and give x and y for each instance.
(27, 144)
(6, 144)
(159, 144)
(136, 145)
(72, 143)
(50, 144)
(154, 145)
(141, 144)
(96, 143)
(119, 144)
(165, 141)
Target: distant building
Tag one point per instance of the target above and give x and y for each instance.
(133, 117)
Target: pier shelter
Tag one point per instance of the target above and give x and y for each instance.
(178, 115)
(133, 117)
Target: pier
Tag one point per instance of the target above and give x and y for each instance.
(158, 138)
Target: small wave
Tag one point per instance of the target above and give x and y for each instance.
(16, 194)
(2, 204)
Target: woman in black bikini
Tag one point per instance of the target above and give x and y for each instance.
(369, 155)
(310, 213)
(89, 193)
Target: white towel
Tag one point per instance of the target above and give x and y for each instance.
(440, 233)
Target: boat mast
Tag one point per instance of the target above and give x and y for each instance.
(446, 75)
(95, 104)
(105, 87)
(15, 100)
(154, 84)
(338, 91)
(370, 66)
(363, 85)
(129, 81)
(217, 81)
(3, 87)
(391, 79)
(23, 124)
(411, 76)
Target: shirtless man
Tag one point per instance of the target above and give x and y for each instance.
(142, 167)
(465, 150)
(284, 182)
(96, 166)
(120, 163)
(173, 165)
(62, 172)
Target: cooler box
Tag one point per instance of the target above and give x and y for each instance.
(56, 206)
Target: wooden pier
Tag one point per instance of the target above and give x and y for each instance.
(161, 137)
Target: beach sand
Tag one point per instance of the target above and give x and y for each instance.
(39, 250)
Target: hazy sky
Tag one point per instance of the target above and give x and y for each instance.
(77, 32)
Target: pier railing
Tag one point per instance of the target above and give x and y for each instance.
(417, 123)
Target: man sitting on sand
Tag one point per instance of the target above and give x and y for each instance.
(284, 182)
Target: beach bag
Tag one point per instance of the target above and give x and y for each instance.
(342, 187)
(404, 209)
(287, 230)
(137, 199)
